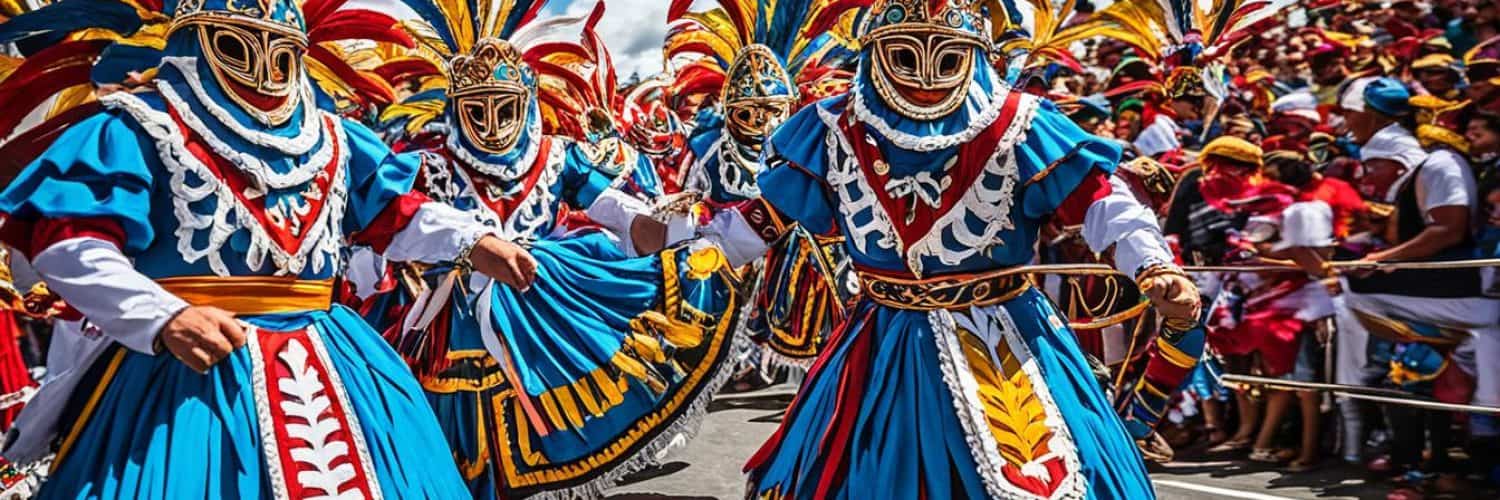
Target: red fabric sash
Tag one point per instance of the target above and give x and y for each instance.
(504, 205)
(282, 234)
(317, 449)
(967, 168)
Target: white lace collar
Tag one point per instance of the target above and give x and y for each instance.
(308, 134)
(320, 243)
(992, 207)
(984, 107)
(506, 172)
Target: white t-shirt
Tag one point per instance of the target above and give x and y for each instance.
(1445, 180)
(1158, 137)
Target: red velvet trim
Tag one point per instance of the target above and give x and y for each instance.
(1092, 188)
(31, 237)
(280, 233)
(392, 219)
(836, 441)
(913, 221)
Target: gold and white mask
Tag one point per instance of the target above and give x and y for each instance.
(922, 57)
(490, 90)
(758, 96)
(254, 49)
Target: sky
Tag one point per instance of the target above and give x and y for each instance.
(632, 29)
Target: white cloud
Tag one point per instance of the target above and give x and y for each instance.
(633, 29)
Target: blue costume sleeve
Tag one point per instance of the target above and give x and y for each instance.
(1055, 157)
(645, 176)
(796, 164)
(98, 168)
(706, 133)
(581, 181)
(376, 176)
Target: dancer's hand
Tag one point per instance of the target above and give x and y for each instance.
(1174, 295)
(505, 261)
(201, 336)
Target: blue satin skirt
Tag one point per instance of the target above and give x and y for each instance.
(606, 361)
(986, 402)
(153, 428)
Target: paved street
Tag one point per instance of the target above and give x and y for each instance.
(709, 468)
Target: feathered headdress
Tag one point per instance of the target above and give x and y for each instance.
(330, 29)
(732, 45)
(648, 121)
(58, 45)
(576, 83)
(72, 47)
(450, 34)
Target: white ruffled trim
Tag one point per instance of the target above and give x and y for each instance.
(320, 243)
(984, 108)
(991, 206)
(531, 215)
(259, 389)
(249, 164)
(509, 172)
(779, 361)
(845, 177)
(736, 179)
(964, 390)
(307, 136)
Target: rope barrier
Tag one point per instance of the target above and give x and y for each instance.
(1268, 268)
(1375, 394)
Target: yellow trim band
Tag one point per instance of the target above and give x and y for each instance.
(252, 294)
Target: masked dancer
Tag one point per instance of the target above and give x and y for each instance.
(953, 377)
(606, 360)
(754, 57)
(222, 176)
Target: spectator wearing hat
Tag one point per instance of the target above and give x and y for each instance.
(1294, 115)
(1438, 76)
(1482, 66)
(1186, 100)
(1435, 198)
(1200, 213)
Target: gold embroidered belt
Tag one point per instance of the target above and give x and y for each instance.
(944, 292)
(252, 295)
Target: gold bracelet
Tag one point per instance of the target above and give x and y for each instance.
(1158, 270)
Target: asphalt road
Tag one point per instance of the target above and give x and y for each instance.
(709, 466)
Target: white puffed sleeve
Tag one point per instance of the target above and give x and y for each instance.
(1119, 219)
(96, 279)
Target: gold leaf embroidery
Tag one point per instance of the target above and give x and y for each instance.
(1017, 419)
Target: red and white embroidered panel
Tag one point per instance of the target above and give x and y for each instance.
(1015, 431)
(311, 438)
